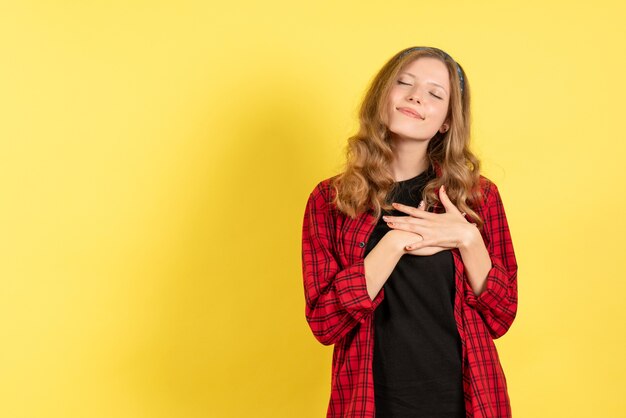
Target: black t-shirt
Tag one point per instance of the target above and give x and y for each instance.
(417, 348)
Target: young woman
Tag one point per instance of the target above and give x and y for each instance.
(407, 259)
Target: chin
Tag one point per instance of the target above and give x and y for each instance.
(408, 134)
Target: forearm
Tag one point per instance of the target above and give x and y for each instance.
(380, 262)
(476, 259)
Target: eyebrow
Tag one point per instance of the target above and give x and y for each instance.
(430, 82)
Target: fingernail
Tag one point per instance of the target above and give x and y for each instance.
(421, 204)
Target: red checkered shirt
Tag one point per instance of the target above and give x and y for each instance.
(339, 310)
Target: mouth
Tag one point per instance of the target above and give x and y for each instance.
(410, 112)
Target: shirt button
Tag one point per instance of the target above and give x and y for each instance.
(362, 244)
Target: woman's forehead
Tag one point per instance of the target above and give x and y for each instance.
(428, 69)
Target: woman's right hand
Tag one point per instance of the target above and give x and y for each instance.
(403, 238)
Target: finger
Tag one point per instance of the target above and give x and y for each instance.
(443, 196)
(429, 243)
(401, 219)
(419, 244)
(407, 226)
(413, 211)
(410, 222)
(434, 248)
(413, 246)
(445, 200)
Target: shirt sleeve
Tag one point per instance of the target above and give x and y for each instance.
(497, 304)
(336, 298)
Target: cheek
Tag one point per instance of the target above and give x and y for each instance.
(445, 107)
(440, 110)
(394, 100)
(395, 96)
(391, 106)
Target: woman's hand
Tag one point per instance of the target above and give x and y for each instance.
(439, 230)
(402, 239)
(430, 250)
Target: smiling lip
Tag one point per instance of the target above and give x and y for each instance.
(410, 112)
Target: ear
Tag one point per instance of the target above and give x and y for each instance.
(445, 126)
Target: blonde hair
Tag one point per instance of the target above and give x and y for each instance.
(367, 181)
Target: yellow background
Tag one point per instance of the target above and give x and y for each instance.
(156, 157)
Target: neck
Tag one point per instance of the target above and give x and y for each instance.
(409, 158)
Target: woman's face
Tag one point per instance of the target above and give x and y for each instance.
(417, 104)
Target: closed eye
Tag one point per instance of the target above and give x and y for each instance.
(407, 84)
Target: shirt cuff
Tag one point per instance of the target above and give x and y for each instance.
(495, 290)
(351, 288)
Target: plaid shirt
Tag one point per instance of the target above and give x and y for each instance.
(339, 310)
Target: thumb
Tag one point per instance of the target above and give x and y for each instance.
(416, 245)
(445, 200)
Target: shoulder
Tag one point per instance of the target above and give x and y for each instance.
(324, 190)
(489, 191)
(320, 211)
(487, 186)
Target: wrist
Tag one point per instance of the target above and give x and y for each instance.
(469, 236)
(394, 243)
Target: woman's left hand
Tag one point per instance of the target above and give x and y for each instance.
(449, 229)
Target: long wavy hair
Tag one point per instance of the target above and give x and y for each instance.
(367, 182)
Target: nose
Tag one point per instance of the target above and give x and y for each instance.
(412, 96)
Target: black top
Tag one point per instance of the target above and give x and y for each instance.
(417, 348)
